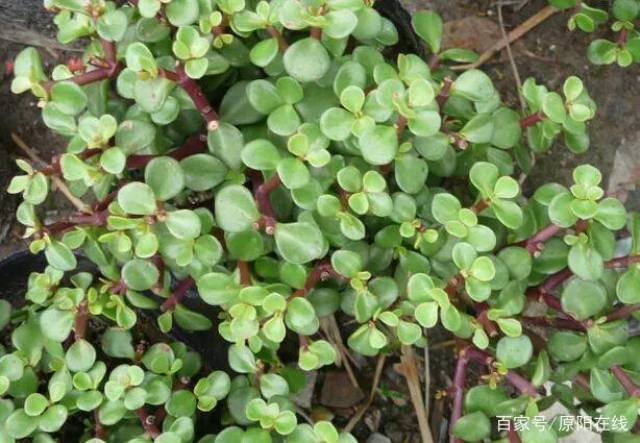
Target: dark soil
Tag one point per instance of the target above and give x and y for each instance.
(550, 53)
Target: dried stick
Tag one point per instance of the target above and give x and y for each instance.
(514, 35)
(372, 394)
(410, 369)
(514, 67)
(60, 185)
(331, 329)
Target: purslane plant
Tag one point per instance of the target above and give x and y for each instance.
(267, 155)
(622, 17)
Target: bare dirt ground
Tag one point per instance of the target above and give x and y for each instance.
(549, 53)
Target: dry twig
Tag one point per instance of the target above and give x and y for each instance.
(514, 35)
(330, 328)
(410, 370)
(512, 62)
(372, 394)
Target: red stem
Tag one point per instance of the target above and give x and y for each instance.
(192, 88)
(434, 62)
(82, 317)
(104, 203)
(148, 422)
(194, 145)
(536, 243)
(480, 206)
(264, 204)
(625, 380)
(513, 434)
(322, 271)
(489, 326)
(100, 431)
(119, 287)
(443, 96)
(95, 219)
(178, 294)
(453, 284)
(458, 396)
(244, 272)
(623, 312)
(316, 33)
(555, 280)
(111, 68)
(401, 125)
(282, 43)
(622, 262)
(623, 36)
(531, 120)
(556, 323)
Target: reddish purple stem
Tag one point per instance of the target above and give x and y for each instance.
(623, 312)
(322, 271)
(556, 323)
(626, 381)
(178, 294)
(148, 422)
(458, 397)
(264, 204)
(535, 243)
(443, 96)
(191, 87)
(531, 120)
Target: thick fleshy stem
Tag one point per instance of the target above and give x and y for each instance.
(401, 125)
(100, 431)
(531, 120)
(623, 312)
(244, 272)
(316, 33)
(536, 243)
(480, 206)
(119, 287)
(195, 144)
(322, 271)
(110, 69)
(96, 219)
(191, 87)
(632, 389)
(82, 317)
(262, 193)
(434, 62)
(275, 33)
(623, 36)
(556, 323)
(483, 318)
(622, 262)
(453, 284)
(178, 294)
(148, 422)
(443, 96)
(59, 227)
(512, 434)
